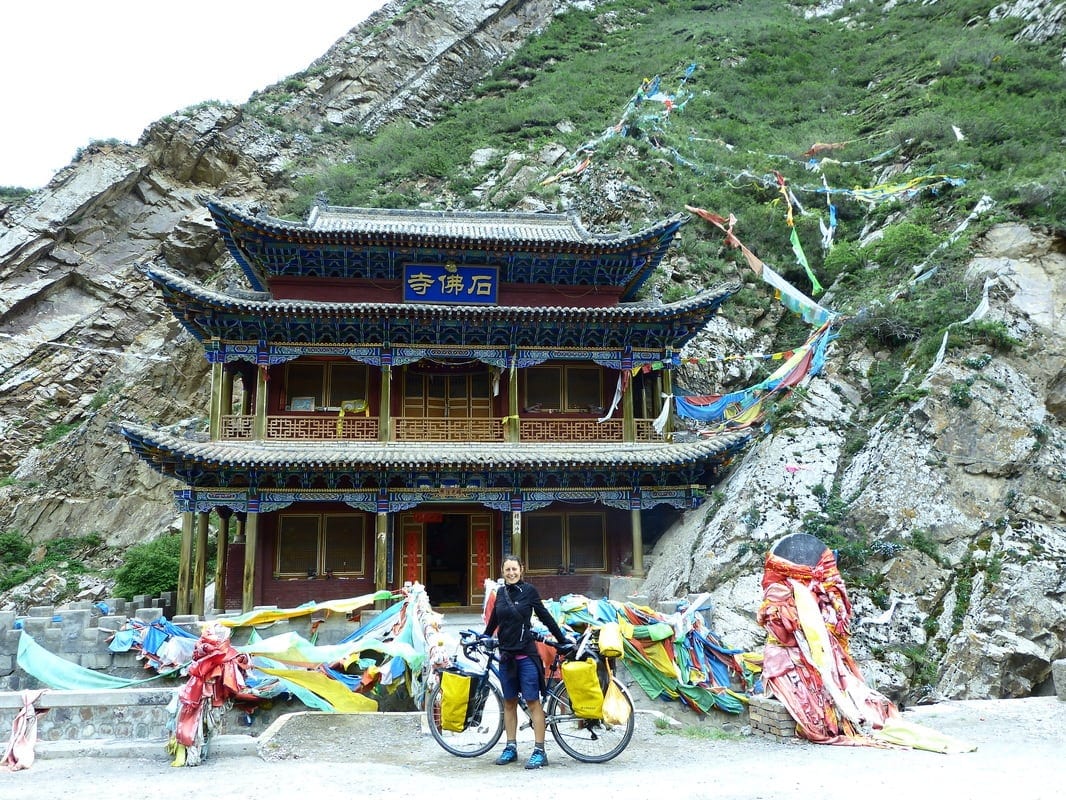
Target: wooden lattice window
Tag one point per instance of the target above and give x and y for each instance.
(453, 396)
(326, 383)
(564, 388)
(566, 542)
(321, 544)
(298, 545)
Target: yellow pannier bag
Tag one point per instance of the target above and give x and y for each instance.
(455, 688)
(611, 640)
(583, 685)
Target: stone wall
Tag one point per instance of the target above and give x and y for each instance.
(120, 714)
(81, 633)
(769, 717)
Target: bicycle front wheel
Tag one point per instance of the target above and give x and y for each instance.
(484, 730)
(590, 740)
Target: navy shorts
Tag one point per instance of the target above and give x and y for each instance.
(528, 683)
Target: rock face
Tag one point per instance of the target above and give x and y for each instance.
(84, 340)
(962, 492)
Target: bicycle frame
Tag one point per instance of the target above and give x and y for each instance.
(589, 740)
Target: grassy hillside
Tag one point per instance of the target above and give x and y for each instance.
(767, 85)
(902, 119)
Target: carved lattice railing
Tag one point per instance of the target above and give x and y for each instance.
(436, 429)
(302, 427)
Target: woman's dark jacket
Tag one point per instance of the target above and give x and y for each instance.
(511, 619)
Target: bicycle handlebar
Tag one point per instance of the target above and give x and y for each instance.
(471, 640)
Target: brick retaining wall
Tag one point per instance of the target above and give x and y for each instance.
(770, 718)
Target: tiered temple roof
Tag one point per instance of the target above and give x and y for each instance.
(374, 244)
(337, 465)
(241, 321)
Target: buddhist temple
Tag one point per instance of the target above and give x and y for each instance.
(407, 395)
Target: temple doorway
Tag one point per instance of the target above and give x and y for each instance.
(447, 557)
(449, 552)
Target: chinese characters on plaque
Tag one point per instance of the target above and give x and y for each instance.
(449, 283)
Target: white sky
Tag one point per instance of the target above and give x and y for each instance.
(74, 70)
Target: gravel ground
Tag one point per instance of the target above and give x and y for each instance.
(1021, 754)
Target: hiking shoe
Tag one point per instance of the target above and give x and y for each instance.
(508, 756)
(537, 760)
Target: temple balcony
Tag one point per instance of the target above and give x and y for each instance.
(433, 429)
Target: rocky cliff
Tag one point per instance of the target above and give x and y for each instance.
(961, 488)
(963, 492)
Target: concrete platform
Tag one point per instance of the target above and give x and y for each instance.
(228, 745)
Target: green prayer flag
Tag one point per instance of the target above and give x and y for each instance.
(56, 672)
(801, 259)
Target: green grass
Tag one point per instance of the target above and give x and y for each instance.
(66, 554)
(663, 726)
(769, 85)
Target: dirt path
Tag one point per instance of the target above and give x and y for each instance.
(1021, 754)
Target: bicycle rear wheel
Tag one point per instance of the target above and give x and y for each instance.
(589, 740)
(480, 735)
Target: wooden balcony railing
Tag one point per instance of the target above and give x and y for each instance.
(433, 429)
(570, 430)
(302, 427)
(437, 429)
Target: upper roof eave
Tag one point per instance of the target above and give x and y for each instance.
(260, 303)
(274, 454)
(541, 229)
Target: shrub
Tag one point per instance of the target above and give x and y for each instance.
(960, 394)
(63, 553)
(988, 332)
(12, 194)
(903, 245)
(150, 568)
(14, 548)
(845, 257)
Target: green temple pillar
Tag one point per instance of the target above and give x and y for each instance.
(385, 411)
(668, 390)
(512, 431)
(516, 536)
(222, 557)
(638, 543)
(261, 402)
(251, 541)
(381, 550)
(184, 563)
(215, 414)
(199, 569)
(246, 394)
(226, 407)
(629, 423)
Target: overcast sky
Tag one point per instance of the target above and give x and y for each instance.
(72, 70)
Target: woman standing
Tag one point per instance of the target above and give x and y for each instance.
(521, 670)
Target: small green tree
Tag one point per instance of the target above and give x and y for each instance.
(150, 568)
(14, 548)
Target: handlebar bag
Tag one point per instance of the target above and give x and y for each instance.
(583, 685)
(456, 699)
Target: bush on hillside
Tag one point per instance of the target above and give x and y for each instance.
(14, 548)
(150, 568)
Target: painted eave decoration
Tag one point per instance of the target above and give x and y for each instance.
(343, 242)
(171, 454)
(255, 316)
